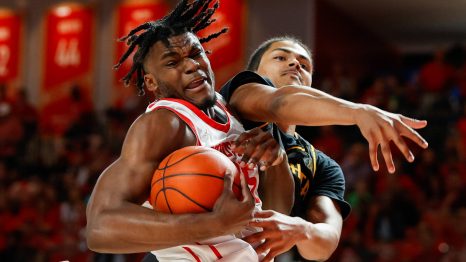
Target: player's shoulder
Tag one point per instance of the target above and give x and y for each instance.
(157, 122)
(156, 133)
(241, 79)
(246, 77)
(326, 162)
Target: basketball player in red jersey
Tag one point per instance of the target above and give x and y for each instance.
(171, 63)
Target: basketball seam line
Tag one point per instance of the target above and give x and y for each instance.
(163, 186)
(189, 174)
(167, 166)
(186, 174)
(187, 197)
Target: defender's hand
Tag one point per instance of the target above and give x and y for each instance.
(258, 148)
(280, 233)
(379, 127)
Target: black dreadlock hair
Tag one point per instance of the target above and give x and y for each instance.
(186, 17)
(256, 56)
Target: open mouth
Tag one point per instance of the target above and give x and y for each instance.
(197, 84)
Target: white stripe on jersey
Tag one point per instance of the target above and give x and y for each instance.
(220, 137)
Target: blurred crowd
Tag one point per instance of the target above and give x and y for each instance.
(417, 214)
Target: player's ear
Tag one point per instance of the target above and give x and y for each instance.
(150, 82)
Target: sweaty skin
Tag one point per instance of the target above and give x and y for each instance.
(116, 221)
(296, 103)
(289, 66)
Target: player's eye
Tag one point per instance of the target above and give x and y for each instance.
(279, 58)
(306, 67)
(171, 63)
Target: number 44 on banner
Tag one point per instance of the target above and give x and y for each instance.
(67, 53)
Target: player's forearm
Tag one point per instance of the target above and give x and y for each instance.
(133, 229)
(321, 241)
(311, 107)
(293, 105)
(277, 188)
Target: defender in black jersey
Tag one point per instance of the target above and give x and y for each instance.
(319, 209)
(315, 224)
(315, 174)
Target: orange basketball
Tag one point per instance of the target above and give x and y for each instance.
(190, 180)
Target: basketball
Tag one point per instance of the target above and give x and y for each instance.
(190, 180)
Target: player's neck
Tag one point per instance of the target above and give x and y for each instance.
(209, 112)
(216, 114)
(289, 129)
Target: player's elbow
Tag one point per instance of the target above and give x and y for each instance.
(323, 254)
(95, 236)
(320, 248)
(91, 241)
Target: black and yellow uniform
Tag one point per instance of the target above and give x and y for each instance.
(315, 173)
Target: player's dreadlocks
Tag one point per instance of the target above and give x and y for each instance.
(186, 17)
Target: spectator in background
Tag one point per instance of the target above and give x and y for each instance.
(11, 131)
(330, 142)
(26, 112)
(355, 165)
(339, 84)
(376, 94)
(59, 115)
(435, 75)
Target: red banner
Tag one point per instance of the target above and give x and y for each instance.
(227, 56)
(10, 31)
(130, 14)
(66, 84)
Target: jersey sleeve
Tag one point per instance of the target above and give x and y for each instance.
(240, 79)
(245, 77)
(329, 181)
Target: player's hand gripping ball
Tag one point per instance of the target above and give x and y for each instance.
(190, 180)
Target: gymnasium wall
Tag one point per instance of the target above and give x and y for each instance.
(264, 19)
(340, 39)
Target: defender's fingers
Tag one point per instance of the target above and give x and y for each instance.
(413, 123)
(261, 222)
(403, 147)
(373, 147)
(245, 136)
(280, 156)
(262, 248)
(228, 182)
(265, 153)
(263, 214)
(387, 155)
(247, 196)
(414, 136)
(273, 247)
(254, 238)
(270, 256)
(254, 148)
